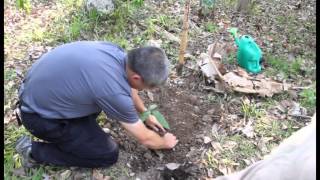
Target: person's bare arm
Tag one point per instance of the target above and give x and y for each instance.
(149, 138)
(138, 103)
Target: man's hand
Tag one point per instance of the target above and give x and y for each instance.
(153, 123)
(170, 140)
(150, 138)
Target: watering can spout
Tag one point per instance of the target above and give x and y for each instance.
(234, 33)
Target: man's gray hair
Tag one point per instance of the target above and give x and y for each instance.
(151, 63)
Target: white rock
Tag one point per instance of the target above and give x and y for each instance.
(106, 130)
(152, 42)
(206, 139)
(102, 6)
(172, 166)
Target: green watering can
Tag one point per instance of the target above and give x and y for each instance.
(249, 54)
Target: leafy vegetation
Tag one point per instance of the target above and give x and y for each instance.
(308, 97)
(280, 64)
(24, 5)
(152, 110)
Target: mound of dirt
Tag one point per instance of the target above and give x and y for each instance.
(186, 112)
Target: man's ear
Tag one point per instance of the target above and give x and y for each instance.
(136, 77)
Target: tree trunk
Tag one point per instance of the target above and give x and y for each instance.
(184, 37)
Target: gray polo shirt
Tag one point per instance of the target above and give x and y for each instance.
(77, 79)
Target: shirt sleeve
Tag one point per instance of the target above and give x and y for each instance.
(119, 107)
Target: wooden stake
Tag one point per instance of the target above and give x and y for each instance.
(184, 37)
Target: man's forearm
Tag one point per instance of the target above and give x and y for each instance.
(138, 103)
(145, 136)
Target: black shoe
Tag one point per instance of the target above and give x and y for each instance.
(23, 147)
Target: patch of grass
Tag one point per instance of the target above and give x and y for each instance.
(138, 40)
(283, 96)
(245, 147)
(268, 103)
(101, 119)
(279, 64)
(12, 160)
(122, 15)
(150, 31)
(250, 110)
(231, 59)
(116, 172)
(210, 27)
(231, 156)
(9, 74)
(230, 3)
(255, 9)
(120, 40)
(138, 3)
(215, 98)
(24, 5)
(278, 129)
(308, 97)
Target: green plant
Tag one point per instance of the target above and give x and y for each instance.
(121, 15)
(280, 64)
(211, 160)
(277, 63)
(117, 39)
(207, 6)
(24, 5)
(231, 58)
(138, 3)
(308, 97)
(149, 32)
(152, 110)
(255, 9)
(38, 34)
(295, 67)
(250, 110)
(164, 20)
(245, 147)
(229, 2)
(9, 74)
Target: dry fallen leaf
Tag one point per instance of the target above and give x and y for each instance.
(65, 175)
(150, 95)
(229, 145)
(239, 80)
(217, 147)
(224, 169)
(156, 43)
(96, 175)
(206, 66)
(248, 130)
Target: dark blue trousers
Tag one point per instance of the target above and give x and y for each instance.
(76, 142)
